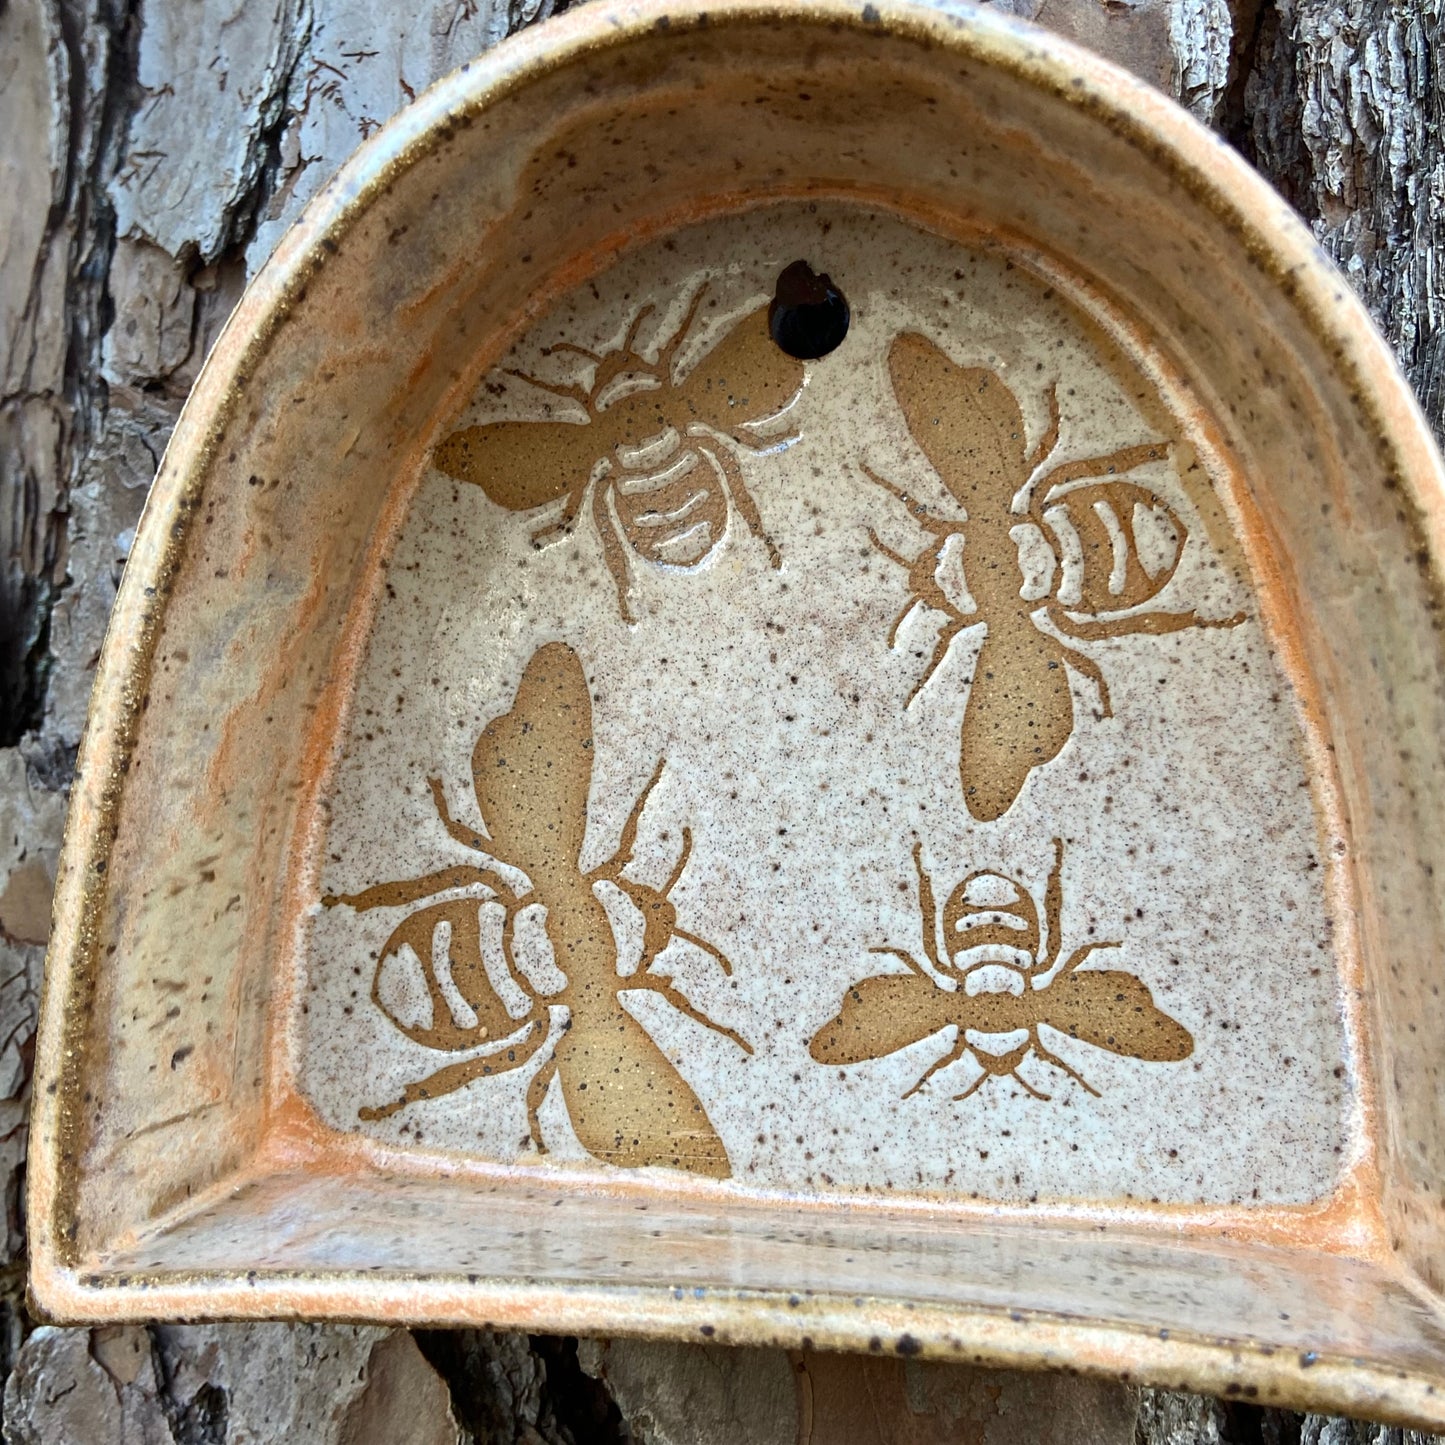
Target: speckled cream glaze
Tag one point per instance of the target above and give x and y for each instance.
(1182, 824)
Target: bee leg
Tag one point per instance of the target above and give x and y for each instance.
(445, 1081)
(978, 1083)
(1158, 624)
(1123, 460)
(1145, 624)
(914, 601)
(921, 512)
(706, 947)
(888, 551)
(901, 619)
(562, 527)
(959, 1049)
(1049, 1057)
(743, 500)
(892, 488)
(536, 1093)
(904, 956)
(750, 445)
(1028, 1088)
(1080, 954)
(1090, 669)
(612, 552)
(543, 537)
(393, 895)
(951, 629)
(459, 832)
(675, 998)
(566, 519)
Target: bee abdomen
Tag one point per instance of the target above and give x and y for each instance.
(676, 516)
(1119, 544)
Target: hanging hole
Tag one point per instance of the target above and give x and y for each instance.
(808, 316)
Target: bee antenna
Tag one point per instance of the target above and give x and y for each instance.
(629, 341)
(628, 841)
(564, 391)
(570, 348)
(928, 911)
(903, 956)
(680, 867)
(1054, 907)
(1050, 438)
(666, 353)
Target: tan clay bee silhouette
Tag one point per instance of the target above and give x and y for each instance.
(1001, 982)
(532, 772)
(665, 447)
(1020, 709)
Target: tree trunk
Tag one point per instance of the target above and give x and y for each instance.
(1342, 108)
(152, 156)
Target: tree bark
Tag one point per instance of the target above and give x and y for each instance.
(152, 156)
(1342, 108)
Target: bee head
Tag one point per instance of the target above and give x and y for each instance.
(988, 919)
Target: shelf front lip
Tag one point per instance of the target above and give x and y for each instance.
(1259, 1371)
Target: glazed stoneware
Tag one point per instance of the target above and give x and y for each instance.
(890, 809)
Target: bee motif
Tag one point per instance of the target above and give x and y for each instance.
(658, 453)
(532, 772)
(1105, 548)
(997, 981)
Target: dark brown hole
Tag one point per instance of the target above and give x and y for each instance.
(808, 316)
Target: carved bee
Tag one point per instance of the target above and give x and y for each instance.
(997, 981)
(658, 453)
(1094, 572)
(532, 773)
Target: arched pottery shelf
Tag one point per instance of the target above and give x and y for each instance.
(782, 685)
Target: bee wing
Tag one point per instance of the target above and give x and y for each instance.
(532, 767)
(1115, 574)
(744, 378)
(881, 1015)
(628, 1104)
(521, 464)
(1019, 715)
(965, 420)
(432, 984)
(1113, 1010)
